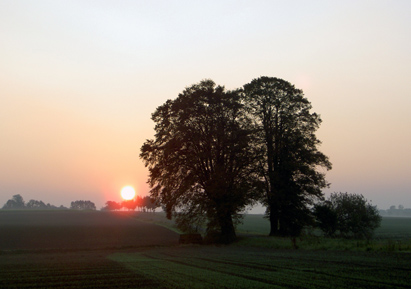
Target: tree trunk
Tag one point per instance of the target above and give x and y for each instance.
(274, 221)
(227, 234)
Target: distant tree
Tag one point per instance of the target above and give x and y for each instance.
(356, 217)
(149, 203)
(83, 205)
(16, 202)
(34, 204)
(129, 204)
(139, 203)
(201, 158)
(290, 159)
(112, 206)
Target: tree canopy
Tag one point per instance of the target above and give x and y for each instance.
(352, 216)
(215, 152)
(16, 202)
(83, 205)
(201, 159)
(290, 157)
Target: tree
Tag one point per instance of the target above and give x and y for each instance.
(326, 218)
(34, 204)
(290, 157)
(129, 204)
(149, 203)
(356, 217)
(83, 205)
(200, 160)
(112, 206)
(139, 203)
(16, 202)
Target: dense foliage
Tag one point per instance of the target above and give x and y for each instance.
(201, 159)
(16, 202)
(347, 215)
(290, 158)
(83, 205)
(216, 151)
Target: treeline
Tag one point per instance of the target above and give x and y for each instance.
(396, 212)
(141, 204)
(17, 203)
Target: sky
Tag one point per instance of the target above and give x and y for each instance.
(79, 81)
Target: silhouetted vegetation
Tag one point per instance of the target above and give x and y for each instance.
(83, 205)
(285, 130)
(202, 159)
(141, 204)
(215, 152)
(17, 203)
(348, 216)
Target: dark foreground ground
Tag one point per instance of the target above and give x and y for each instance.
(76, 230)
(102, 250)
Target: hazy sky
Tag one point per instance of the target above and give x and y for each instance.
(80, 79)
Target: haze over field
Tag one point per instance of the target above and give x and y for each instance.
(80, 79)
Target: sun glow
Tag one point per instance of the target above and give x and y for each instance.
(128, 193)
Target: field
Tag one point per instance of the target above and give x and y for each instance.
(66, 249)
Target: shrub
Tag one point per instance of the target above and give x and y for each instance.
(355, 216)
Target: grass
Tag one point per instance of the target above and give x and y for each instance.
(131, 250)
(393, 235)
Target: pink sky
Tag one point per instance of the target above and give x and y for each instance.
(80, 79)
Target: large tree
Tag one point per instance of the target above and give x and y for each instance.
(200, 161)
(290, 159)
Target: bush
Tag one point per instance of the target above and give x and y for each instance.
(349, 215)
(326, 218)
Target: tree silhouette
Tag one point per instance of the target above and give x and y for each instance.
(129, 204)
(285, 130)
(34, 204)
(83, 205)
(16, 202)
(200, 160)
(149, 203)
(112, 206)
(354, 215)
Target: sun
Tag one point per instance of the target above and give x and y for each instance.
(128, 193)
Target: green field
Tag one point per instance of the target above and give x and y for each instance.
(128, 250)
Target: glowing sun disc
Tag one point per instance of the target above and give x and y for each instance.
(127, 193)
